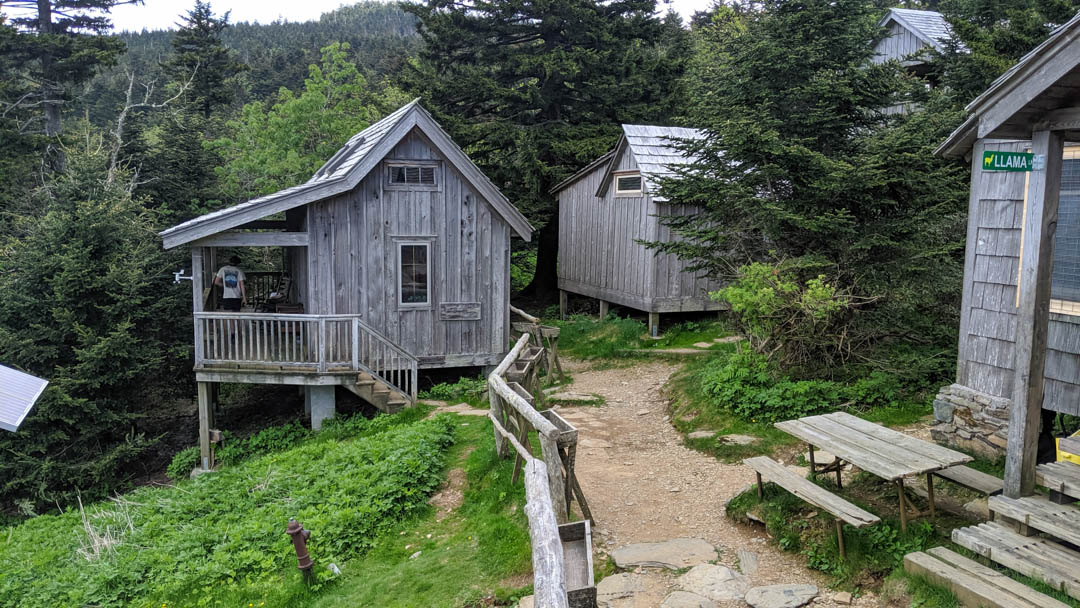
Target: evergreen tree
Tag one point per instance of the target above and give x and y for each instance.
(201, 56)
(534, 91)
(800, 168)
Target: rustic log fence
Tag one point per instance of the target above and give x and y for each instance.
(550, 482)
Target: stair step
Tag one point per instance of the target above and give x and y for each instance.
(1061, 521)
(973, 583)
(1038, 558)
(1063, 477)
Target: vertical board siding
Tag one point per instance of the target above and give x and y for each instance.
(898, 44)
(352, 258)
(988, 324)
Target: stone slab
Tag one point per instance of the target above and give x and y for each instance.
(717, 583)
(526, 602)
(702, 344)
(685, 599)
(568, 397)
(701, 434)
(781, 596)
(672, 554)
(618, 586)
(748, 562)
(736, 439)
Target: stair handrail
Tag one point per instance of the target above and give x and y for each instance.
(413, 362)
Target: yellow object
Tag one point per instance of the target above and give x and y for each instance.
(1066, 456)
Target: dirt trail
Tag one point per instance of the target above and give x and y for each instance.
(644, 485)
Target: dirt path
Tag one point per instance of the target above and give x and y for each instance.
(644, 485)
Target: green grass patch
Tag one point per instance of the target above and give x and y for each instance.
(589, 338)
(218, 540)
(468, 390)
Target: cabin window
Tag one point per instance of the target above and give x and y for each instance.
(1065, 277)
(414, 278)
(412, 174)
(628, 184)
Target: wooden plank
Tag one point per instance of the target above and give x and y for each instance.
(1035, 557)
(1063, 477)
(1033, 311)
(254, 239)
(459, 311)
(971, 590)
(549, 574)
(972, 479)
(867, 461)
(996, 578)
(1061, 521)
(903, 457)
(811, 493)
(942, 455)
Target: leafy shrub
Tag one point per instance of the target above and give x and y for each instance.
(222, 535)
(270, 439)
(182, 464)
(465, 389)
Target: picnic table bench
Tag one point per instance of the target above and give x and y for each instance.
(880, 451)
(841, 510)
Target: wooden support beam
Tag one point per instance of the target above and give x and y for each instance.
(562, 304)
(1033, 314)
(654, 324)
(206, 412)
(1066, 119)
(603, 309)
(265, 225)
(254, 239)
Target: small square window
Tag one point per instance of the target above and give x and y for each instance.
(628, 184)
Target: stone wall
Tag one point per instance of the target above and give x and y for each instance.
(971, 420)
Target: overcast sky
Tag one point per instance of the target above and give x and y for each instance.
(161, 14)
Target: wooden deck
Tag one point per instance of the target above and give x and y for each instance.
(1038, 558)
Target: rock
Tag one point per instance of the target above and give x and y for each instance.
(843, 598)
(415, 555)
(748, 562)
(619, 586)
(820, 457)
(701, 434)
(589, 442)
(728, 339)
(943, 410)
(642, 412)
(568, 397)
(737, 439)
(461, 409)
(674, 554)
(702, 344)
(781, 596)
(685, 599)
(979, 507)
(526, 602)
(433, 402)
(717, 583)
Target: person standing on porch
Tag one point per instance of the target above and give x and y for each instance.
(231, 279)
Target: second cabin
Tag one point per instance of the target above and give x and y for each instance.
(608, 209)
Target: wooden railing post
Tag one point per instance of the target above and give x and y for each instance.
(549, 577)
(497, 411)
(355, 344)
(556, 479)
(322, 345)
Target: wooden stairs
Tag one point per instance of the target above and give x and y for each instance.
(385, 397)
(1034, 535)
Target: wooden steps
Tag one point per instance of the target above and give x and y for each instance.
(1038, 558)
(974, 584)
(379, 394)
(1059, 521)
(972, 479)
(1061, 477)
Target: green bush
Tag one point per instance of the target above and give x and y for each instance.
(270, 439)
(210, 540)
(182, 464)
(465, 389)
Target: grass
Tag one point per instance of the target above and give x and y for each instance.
(592, 339)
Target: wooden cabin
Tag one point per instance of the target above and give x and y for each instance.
(1019, 346)
(607, 208)
(397, 258)
(911, 33)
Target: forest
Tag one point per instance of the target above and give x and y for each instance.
(839, 233)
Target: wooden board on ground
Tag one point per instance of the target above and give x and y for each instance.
(972, 479)
(811, 493)
(576, 540)
(1060, 521)
(1061, 477)
(1035, 557)
(973, 584)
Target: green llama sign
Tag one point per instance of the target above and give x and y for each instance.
(994, 160)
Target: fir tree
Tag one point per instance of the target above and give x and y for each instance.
(200, 55)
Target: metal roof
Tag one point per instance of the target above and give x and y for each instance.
(929, 26)
(18, 393)
(655, 151)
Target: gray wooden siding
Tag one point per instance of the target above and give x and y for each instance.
(676, 288)
(353, 260)
(899, 44)
(988, 315)
(599, 256)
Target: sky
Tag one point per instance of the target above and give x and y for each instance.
(162, 14)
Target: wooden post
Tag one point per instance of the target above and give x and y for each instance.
(603, 309)
(562, 304)
(549, 577)
(903, 508)
(197, 300)
(930, 493)
(654, 324)
(205, 414)
(497, 412)
(813, 465)
(840, 537)
(549, 448)
(838, 464)
(760, 486)
(1033, 314)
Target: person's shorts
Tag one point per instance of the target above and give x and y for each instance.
(231, 304)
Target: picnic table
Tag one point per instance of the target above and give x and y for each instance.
(888, 454)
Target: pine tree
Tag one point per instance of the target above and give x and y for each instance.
(200, 55)
(535, 91)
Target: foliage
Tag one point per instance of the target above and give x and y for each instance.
(801, 169)
(199, 56)
(183, 463)
(143, 549)
(536, 91)
(271, 149)
(522, 269)
(472, 390)
(81, 307)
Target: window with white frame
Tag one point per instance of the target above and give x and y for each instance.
(1065, 277)
(414, 276)
(405, 174)
(627, 184)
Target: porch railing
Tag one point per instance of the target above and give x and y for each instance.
(318, 343)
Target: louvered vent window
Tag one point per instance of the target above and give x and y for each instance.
(412, 174)
(628, 184)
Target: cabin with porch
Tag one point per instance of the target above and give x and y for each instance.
(608, 209)
(395, 258)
